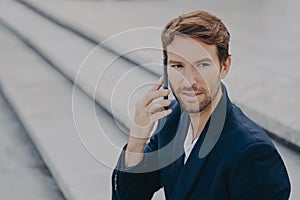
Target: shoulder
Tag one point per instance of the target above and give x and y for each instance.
(241, 132)
(259, 173)
(254, 159)
(243, 139)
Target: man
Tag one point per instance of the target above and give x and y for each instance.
(204, 146)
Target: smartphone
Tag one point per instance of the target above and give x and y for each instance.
(165, 62)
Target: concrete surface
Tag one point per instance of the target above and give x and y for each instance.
(292, 162)
(42, 98)
(260, 47)
(22, 170)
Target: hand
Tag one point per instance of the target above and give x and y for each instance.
(148, 110)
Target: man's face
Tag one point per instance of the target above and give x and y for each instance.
(194, 73)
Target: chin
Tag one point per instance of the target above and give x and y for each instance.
(191, 107)
(195, 107)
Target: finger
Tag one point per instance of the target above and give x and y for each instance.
(159, 115)
(156, 106)
(150, 96)
(158, 84)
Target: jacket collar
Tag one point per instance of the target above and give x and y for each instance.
(209, 137)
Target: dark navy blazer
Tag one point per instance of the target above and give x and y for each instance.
(233, 159)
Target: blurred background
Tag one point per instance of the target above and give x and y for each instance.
(71, 72)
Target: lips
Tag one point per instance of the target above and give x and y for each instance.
(191, 94)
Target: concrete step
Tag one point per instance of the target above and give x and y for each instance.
(42, 99)
(23, 172)
(104, 76)
(259, 95)
(292, 161)
(72, 133)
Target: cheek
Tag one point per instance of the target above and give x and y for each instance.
(208, 79)
(212, 82)
(175, 77)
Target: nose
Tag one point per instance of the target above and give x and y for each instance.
(190, 76)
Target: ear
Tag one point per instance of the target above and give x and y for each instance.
(225, 67)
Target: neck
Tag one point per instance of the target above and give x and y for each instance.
(199, 120)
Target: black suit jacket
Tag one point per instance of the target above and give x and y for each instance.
(233, 159)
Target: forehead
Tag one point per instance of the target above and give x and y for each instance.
(191, 50)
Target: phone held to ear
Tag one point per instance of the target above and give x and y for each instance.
(165, 60)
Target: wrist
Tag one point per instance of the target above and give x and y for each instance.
(134, 151)
(136, 145)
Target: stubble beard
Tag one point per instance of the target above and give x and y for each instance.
(199, 106)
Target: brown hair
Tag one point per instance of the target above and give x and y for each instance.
(198, 25)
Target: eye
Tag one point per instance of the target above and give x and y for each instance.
(177, 66)
(203, 65)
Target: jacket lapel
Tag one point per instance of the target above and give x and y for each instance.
(189, 173)
(209, 137)
(173, 154)
(178, 140)
(178, 150)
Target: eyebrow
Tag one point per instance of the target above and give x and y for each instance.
(203, 60)
(206, 59)
(173, 61)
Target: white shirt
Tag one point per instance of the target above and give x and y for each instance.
(189, 143)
